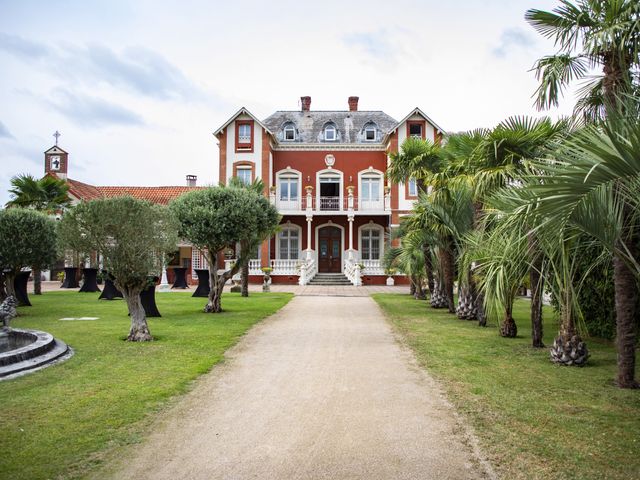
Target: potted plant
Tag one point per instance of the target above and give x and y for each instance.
(266, 279)
(390, 272)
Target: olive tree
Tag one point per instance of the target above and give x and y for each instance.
(27, 239)
(218, 217)
(133, 237)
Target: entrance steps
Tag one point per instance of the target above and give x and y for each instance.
(329, 279)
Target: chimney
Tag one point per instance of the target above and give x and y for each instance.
(353, 104)
(191, 180)
(306, 103)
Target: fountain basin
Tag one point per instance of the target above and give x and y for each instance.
(22, 350)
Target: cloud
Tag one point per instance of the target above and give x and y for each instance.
(93, 111)
(4, 131)
(22, 48)
(138, 70)
(512, 38)
(374, 44)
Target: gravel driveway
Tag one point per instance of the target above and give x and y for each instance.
(321, 390)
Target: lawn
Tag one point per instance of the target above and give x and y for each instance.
(65, 420)
(534, 420)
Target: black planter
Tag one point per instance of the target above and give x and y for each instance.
(20, 286)
(203, 283)
(148, 299)
(70, 280)
(180, 277)
(90, 283)
(109, 292)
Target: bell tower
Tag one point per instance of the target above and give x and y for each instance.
(56, 160)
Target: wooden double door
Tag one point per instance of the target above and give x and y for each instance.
(329, 250)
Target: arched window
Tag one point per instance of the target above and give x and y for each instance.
(371, 190)
(289, 243)
(330, 133)
(289, 132)
(370, 243)
(370, 132)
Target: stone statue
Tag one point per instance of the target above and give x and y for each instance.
(8, 311)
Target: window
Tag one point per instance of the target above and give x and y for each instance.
(288, 240)
(288, 197)
(330, 132)
(244, 135)
(370, 132)
(289, 132)
(412, 188)
(371, 192)
(370, 244)
(415, 129)
(245, 174)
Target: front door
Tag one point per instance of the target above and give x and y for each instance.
(330, 251)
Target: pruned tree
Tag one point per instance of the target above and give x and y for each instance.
(133, 237)
(215, 218)
(27, 239)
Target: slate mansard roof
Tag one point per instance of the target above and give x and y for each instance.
(310, 125)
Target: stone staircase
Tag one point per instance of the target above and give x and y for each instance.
(330, 279)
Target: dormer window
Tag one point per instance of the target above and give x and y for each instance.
(370, 132)
(330, 133)
(415, 129)
(289, 132)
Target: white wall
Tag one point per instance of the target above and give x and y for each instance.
(255, 156)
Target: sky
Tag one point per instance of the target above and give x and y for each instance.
(136, 88)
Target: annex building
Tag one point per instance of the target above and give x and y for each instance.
(324, 170)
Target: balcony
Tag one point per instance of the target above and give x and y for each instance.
(347, 204)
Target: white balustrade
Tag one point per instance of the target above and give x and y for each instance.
(372, 267)
(285, 267)
(352, 272)
(289, 205)
(333, 204)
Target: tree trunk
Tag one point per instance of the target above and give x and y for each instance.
(412, 287)
(537, 289)
(217, 282)
(3, 291)
(244, 279)
(466, 303)
(626, 299)
(428, 267)
(10, 283)
(37, 281)
(139, 331)
(568, 348)
(447, 267)
(508, 328)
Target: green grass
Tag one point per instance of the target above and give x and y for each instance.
(534, 420)
(65, 420)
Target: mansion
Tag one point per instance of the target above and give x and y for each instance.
(325, 173)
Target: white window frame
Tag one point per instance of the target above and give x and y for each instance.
(329, 172)
(244, 139)
(289, 204)
(289, 127)
(412, 187)
(330, 127)
(370, 128)
(370, 205)
(288, 228)
(244, 168)
(361, 233)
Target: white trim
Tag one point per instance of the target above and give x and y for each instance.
(330, 126)
(287, 226)
(242, 111)
(289, 125)
(376, 147)
(334, 172)
(342, 245)
(417, 111)
(371, 226)
(372, 172)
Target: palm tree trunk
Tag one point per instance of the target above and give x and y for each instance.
(37, 281)
(508, 328)
(536, 281)
(428, 267)
(447, 266)
(626, 295)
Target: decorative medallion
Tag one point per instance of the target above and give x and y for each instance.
(329, 160)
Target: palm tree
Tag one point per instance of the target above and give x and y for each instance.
(593, 183)
(409, 257)
(589, 34)
(48, 194)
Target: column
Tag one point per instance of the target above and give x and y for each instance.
(350, 219)
(309, 220)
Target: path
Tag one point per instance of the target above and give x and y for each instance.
(321, 390)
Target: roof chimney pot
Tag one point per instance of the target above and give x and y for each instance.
(192, 180)
(353, 104)
(306, 103)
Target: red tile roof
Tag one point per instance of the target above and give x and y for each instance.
(162, 195)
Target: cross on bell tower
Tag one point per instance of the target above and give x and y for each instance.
(55, 159)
